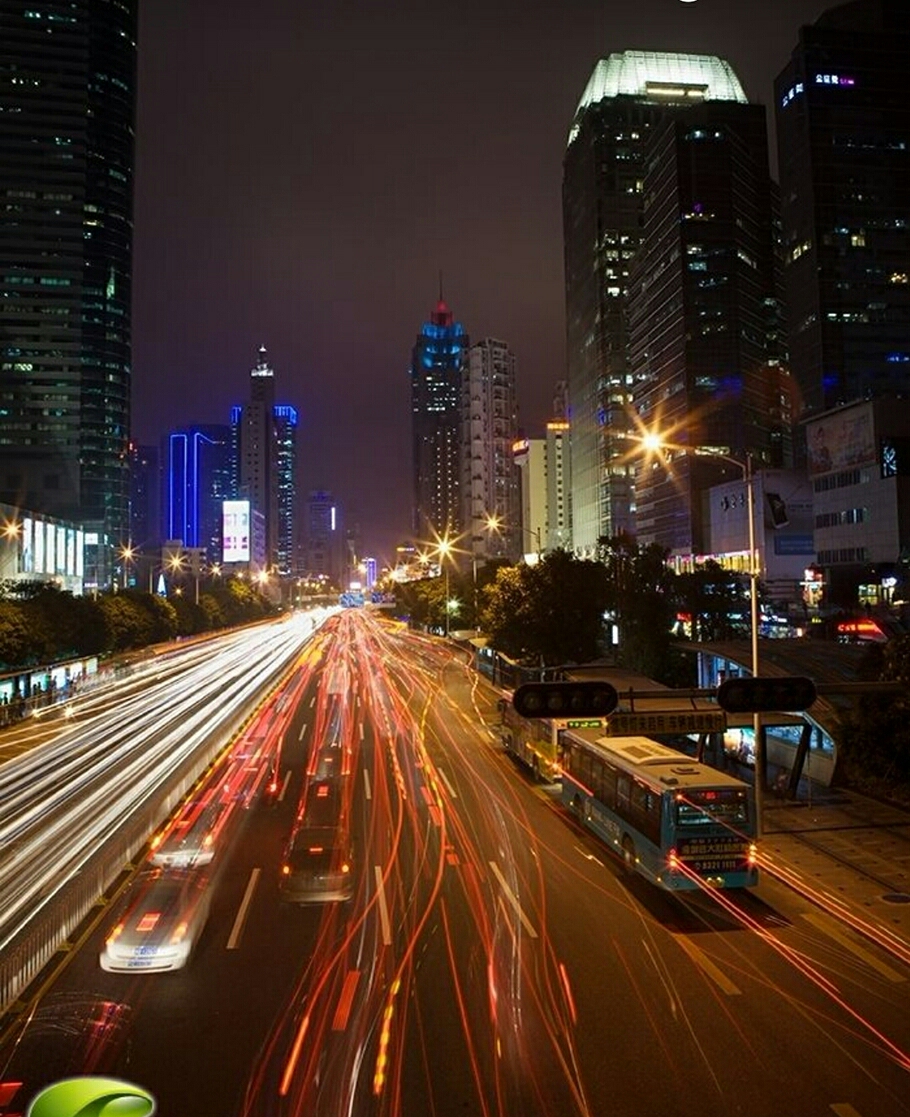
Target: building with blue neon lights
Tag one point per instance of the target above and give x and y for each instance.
(197, 477)
(437, 369)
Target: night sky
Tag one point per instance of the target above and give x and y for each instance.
(307, 168)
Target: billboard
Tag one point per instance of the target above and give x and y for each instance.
(841, 441)
(235, 530)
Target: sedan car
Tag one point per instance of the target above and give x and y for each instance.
(161, 923)
(316, 867)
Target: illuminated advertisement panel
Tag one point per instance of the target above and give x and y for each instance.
(841, 442)
(39, 547)
(236, 530)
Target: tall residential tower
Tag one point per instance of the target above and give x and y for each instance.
(489, 479)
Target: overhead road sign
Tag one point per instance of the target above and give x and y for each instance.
(666, 721)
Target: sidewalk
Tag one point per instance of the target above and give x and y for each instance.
(847, 852)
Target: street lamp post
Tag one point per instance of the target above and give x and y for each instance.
(759, 742)
(491, 523)
(654, 443)
(444, 549)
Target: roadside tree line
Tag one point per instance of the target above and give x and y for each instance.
(40, 623)
(563, 609)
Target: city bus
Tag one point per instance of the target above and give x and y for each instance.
(533, 741)
(677, 822)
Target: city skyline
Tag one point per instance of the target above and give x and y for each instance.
(303, 178)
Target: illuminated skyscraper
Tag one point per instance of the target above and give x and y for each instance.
(437, 364)
(603, 170)
(197, 481)
(67, 106)
(843, 134)
(265, 441)
(706, 354)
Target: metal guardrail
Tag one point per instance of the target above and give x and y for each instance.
(24, 959)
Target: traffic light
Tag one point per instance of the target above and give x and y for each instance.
(750, 696)
(565, 700)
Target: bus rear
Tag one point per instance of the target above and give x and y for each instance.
(709, 833)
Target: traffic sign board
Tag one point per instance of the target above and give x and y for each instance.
(666, 721)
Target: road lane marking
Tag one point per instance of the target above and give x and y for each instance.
(844, 1109)
(367, 789)
(823, 924)
(588, 856)
(236, 931)
(302, 731)
(383, 908)
(444, 779)
(513, 900)
(284, 786)
(705, 964)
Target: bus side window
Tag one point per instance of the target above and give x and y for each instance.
(608, 788)
(623, 789)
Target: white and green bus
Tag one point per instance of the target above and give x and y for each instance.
(677, 822)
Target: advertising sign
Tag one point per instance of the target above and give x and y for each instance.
(236, 530)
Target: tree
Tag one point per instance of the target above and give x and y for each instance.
(639, 602)
(547, 614)
(875, 738)
(712, 597)
(14, 635)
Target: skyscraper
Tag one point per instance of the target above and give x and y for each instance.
(489, 478)
(843, 134)
(704, 310)
(198, 479)
(66, 153)
(603, 170)
(323, 538)
(437, 363)
(264, 440)
(286, 464)
(145, 498)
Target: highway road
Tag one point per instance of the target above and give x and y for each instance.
(494, 959)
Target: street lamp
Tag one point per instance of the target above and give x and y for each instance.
(654, 443)
(491, 523)
(444, 548)
(127, 554)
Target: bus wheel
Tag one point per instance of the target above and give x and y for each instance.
(535, 767)
(628, 854)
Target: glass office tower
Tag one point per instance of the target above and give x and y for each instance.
(66, 182)
(843, 135)
(707, 354)
(603, 170)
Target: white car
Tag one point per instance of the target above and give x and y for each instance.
(161, 923)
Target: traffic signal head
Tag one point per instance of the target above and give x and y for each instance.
(749, 696)
(565, 700)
